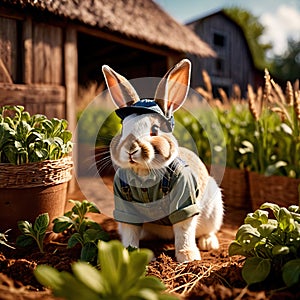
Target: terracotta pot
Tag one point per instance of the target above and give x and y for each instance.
(281, 190)
(32, 189)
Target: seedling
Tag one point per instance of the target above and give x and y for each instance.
(84, 230)
(270, 244)
(122, 276)
(3, 239)
(33, 233)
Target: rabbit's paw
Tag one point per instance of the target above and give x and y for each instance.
(208, 242)
(186, 255)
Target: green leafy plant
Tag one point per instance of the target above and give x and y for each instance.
(33, 233)
(4, 241)
(270, 245)
(122, 276)
(25, 138)
(84, 230)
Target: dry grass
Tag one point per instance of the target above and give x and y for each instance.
(271, 96)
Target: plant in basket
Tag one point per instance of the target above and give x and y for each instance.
(271, 151)
(34, 166)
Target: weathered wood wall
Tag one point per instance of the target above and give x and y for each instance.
(237, 65)
(8, 50)
(32, 66)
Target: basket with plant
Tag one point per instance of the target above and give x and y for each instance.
(34, 165)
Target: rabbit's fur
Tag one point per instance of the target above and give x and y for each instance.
(145, 144)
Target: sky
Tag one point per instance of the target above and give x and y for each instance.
(281, 18)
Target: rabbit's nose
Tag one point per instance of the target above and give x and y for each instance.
(134, 148)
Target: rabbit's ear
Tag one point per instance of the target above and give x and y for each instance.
(173, 88)
(122, 92)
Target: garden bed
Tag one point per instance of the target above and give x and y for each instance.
(217, 276)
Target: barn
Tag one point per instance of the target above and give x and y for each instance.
(233, 63)
(50, 47)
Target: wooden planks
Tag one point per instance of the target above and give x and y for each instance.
(44, 99)
(8, 50)
(47, 54)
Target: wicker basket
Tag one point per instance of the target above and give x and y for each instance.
(235, 187)
(31, 189)
(48, 172)
(276, 189)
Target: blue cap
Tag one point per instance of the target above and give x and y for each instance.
(145, 106)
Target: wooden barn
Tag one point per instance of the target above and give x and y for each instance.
(233, 64)
(49, 48)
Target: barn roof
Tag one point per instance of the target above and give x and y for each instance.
(143, 20)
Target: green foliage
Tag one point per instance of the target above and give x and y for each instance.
(84, 230)
(25, 138)
(97, 126)
(270, 244)
(35, 232)
(3, 239)
(122, 276)
(287, 66)
(202, 133)
(253, 30)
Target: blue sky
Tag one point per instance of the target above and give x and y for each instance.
(281, 18)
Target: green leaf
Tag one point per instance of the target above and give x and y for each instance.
(74, 240)
(138, 261)
(93, 208)
(265, 230)
(64, 284)
(291, 272)
(25, 227)
(41, 223)
(24, 240)
(48, 277)
(280, 250)
(285, 220)
(89, 276)
(62, 223)
(256, 269)
(150, 282)
(89, 252)
(235, 248)
(274, 207)
(112, 256)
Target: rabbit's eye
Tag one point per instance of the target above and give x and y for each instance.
(154, 130)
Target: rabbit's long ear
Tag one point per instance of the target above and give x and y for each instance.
(122, 92)
(173, 88)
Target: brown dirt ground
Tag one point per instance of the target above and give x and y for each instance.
(216, 276)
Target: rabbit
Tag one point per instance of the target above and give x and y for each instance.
(191, 207)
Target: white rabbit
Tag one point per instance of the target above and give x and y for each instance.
(161, 190)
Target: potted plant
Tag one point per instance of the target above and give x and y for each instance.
(273, 148)
(34, 166)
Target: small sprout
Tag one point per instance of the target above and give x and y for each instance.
(4, 241)
(35, 232)
(85, 231)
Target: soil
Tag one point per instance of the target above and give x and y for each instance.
(216, 276)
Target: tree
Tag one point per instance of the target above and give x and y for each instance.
(287, 66)
(253, 30)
